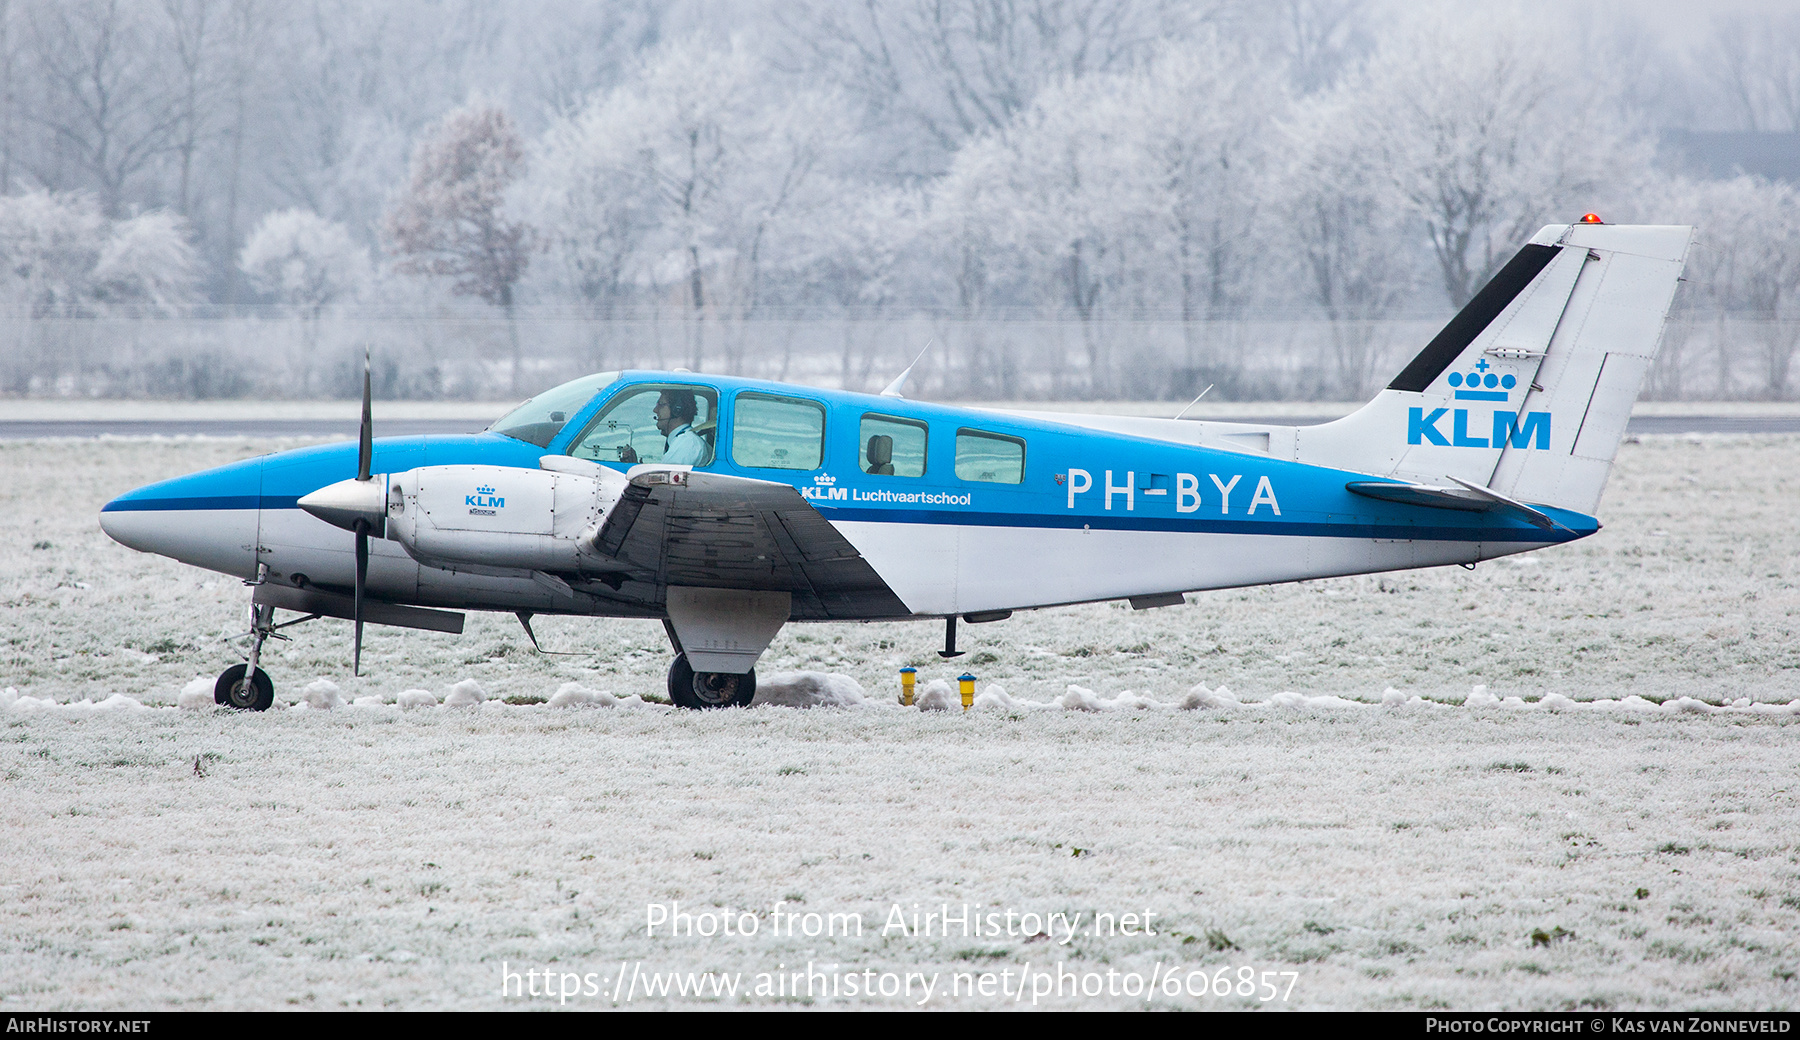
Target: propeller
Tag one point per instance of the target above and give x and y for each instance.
(358, 505)
(365, 458)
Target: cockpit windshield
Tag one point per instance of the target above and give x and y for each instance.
(540, 419)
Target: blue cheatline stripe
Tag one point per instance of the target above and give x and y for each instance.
(134, 505)
(1195, 525)
(1198, 525)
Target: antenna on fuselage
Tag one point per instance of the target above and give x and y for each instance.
(1194, 402)
(893, 388)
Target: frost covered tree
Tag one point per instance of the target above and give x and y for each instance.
(147, 264)
(49, 244)
(1206, 114)
(62, 258)
(941, 72)
(1347, 236)
(1753, 62)
(105, 102)
(1482, 134)
(691, 176)
(1745, 264)
(1047, 207)
(305, 261)
(1320, 38)
(1122, 194)
(450, 219)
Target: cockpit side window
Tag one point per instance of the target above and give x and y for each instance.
(672, 423)
(770, 432)
(540, 419)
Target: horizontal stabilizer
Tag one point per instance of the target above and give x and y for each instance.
(1471, 498)
(1421, 495)
(1537, 517)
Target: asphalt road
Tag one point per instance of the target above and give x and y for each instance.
(346, 428)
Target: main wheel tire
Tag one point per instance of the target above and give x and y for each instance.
(234, 691)
(691, 689)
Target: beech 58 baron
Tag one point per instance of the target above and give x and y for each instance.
(727, 508)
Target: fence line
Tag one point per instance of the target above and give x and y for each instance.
(283, 357)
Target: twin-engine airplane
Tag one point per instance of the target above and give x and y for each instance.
(727, 508)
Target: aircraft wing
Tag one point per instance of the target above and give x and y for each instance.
(675, 526)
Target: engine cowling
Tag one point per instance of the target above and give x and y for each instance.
(503, 517)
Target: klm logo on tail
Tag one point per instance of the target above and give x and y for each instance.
(1531, 430)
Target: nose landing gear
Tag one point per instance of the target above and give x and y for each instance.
(247, 687)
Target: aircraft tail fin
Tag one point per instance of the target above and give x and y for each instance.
(1528, 389)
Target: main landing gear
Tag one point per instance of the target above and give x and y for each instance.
(691, 689)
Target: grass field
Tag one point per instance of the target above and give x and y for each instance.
(1571, 844)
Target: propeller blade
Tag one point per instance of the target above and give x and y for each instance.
(365, 449)
(362, 577)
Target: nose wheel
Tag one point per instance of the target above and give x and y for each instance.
(691, 689)
(240, 687)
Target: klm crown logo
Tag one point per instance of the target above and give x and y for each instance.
(1508, 428)
(1478, 379)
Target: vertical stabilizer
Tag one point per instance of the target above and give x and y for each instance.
(1528, 389)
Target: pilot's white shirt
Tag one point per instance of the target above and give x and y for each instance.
(686, 448)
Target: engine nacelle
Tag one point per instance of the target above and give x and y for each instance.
(501, 516)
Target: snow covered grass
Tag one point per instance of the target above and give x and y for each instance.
(1607, 821)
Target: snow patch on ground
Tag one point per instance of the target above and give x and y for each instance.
(822, 689)
(320, 695)
(197, 695)
(994, 697)
(808, 690)
(118, 702)
(574, 695)
(937, 695)
(466, 694)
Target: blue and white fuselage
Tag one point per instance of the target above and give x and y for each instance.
(1097, 516)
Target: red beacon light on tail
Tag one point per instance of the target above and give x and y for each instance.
(1591, 218)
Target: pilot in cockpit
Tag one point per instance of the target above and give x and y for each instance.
(674, 413)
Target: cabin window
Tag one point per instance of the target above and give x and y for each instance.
(770, 432)
(540, 419)
(672, 423)
(892, 447)
(989, 457)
